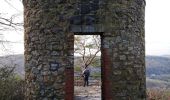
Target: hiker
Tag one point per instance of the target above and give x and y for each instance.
(86, 74)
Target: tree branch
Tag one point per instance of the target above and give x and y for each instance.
(93, 58)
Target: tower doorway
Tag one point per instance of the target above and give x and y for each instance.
(87, 67)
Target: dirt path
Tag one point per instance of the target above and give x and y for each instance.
(87, 93)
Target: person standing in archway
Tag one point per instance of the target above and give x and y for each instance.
(86, 74)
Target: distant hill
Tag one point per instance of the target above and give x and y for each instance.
(168, 56)
(156, 65)
(156, 83)
(14, 60)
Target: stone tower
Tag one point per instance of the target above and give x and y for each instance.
(50, 26)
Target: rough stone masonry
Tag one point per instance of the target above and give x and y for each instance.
(50, 26)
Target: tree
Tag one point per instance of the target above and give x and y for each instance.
(87, 47)
(10, 22)
(11, 84)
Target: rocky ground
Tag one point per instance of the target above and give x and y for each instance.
(87, 93)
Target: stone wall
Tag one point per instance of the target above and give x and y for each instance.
(123, 51)
(49, 36)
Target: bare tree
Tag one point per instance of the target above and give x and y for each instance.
(87, 47)
(9, 24)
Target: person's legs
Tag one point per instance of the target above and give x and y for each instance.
(84, 81)
(87, 81)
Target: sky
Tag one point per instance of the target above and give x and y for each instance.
(157, 28)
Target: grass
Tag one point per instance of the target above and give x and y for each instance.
(96, 75)
(158, 94)
(77, 68)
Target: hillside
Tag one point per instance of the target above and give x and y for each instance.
(157, 68)
(16, 61)
(156, 65)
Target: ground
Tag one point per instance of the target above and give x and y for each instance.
(87, 93)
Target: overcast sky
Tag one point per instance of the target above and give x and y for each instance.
(157, 28)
